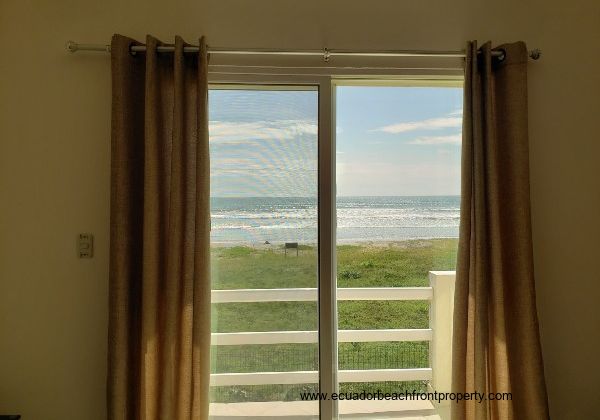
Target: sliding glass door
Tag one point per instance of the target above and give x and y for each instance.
(334, 214)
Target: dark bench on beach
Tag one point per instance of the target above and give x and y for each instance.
(291, 245)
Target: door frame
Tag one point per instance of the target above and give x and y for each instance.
(326, 209)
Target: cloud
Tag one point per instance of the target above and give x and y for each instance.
(429, 124)
(458, 111)
(261, 164)
(226, 132)
(431, 140)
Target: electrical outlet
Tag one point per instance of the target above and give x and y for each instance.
(85, 245)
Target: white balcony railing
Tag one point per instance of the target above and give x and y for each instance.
(440, 293)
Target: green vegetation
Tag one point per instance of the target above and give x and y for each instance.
(399, 264)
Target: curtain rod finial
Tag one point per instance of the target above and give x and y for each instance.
(535, 54)
(71, 46)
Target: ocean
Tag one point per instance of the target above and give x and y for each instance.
(254, 220)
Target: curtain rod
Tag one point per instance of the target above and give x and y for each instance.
(325, 53)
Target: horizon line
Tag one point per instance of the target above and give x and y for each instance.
(340, 196)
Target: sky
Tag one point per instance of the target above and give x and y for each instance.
(391, 141)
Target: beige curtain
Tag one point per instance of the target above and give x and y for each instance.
(159, 319)
(496, 344)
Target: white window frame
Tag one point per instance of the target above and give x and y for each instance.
(327, 278)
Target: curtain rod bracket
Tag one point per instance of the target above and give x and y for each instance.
(326, 55)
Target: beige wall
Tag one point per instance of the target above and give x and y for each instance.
(54, 167)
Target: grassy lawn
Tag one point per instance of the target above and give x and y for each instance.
(400, 264)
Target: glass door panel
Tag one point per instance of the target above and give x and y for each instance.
(264, 237)
(398, 196)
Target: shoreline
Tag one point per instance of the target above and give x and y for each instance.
(392, 243)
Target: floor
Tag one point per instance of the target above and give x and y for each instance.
(304, 410)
